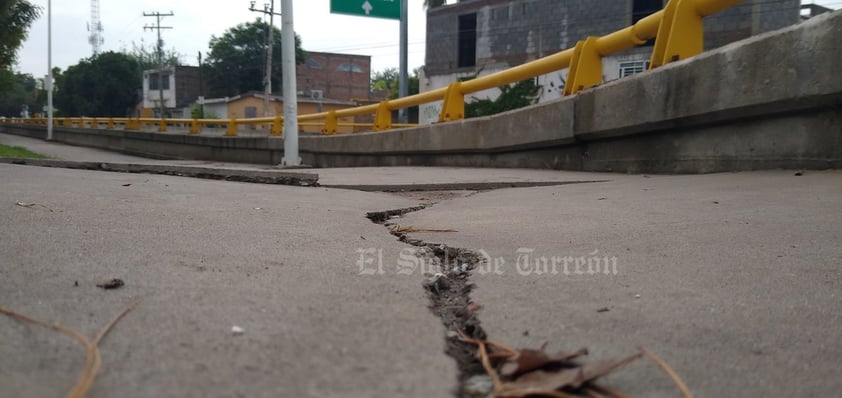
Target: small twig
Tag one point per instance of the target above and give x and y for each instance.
(107, 328)
(509, 351)
(486, 363)
(591, 393)
(672, 374)
(608, 391)
(93, 359)
(91, 352)
(532, 392)
(404, 230)
(31, 205)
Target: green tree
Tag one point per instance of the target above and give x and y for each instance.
(15, 18)
(517, 95)
(389, 80)
(237, 59)
(22, 90)
(103, 85)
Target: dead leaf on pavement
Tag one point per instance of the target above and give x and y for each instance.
(529, 359)
(568, 377)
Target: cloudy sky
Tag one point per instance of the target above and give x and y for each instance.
(196, 21)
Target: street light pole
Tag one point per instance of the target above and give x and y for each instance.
(403, 89)
(290, 91)
(49, 83)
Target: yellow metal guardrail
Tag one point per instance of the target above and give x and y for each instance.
(678, 31)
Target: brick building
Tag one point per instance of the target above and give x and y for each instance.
(181, 85)
(478, 37)
(336, 76)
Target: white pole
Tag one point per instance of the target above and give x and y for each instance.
(403, 87)
(290, 91)
(267, 88)
(50, 70)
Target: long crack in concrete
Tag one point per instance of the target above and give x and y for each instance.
(449, 291)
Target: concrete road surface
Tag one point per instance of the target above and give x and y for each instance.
(204, 256)
(734, 279)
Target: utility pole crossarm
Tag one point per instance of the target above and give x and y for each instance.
(158, 27)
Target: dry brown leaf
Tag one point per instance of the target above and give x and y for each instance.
(529, 359)
(569, 377)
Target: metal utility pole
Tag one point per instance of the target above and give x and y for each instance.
(290, 95)
(403, 89)
(268, 8)
(158, 27)
(50, 70)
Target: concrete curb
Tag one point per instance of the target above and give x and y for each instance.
(455, 186)
(252, 176)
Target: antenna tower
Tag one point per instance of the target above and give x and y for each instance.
(95, 27)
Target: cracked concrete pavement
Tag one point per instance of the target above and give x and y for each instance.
(280, 262)
(733, 278)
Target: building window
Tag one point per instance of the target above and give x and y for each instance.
(643, 8)
(313, 64)
(153, 82)
(467, 40)
(633, 68)
(251, 111)
(349, 67)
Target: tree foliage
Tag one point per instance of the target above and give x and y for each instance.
(517, 95)
(15, 18)
(389, 80)
(237, 59)
(21, 89)
(103, 85)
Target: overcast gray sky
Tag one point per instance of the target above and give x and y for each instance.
(195, 21)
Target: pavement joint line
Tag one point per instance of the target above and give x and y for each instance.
(455, 186)
(249, 176)
(449, 293)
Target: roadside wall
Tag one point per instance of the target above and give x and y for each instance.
(772, 101)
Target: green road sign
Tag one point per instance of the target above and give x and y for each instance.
(390, 9)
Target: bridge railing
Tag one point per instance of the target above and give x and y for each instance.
(678, 31)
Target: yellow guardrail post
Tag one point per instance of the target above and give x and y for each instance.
(110, 123)
(194, 126)
(383, 117)
(278, 126)
(162, 125)
(331, 123)
(232, 127)
(681, 31)
(585, 67)
(454, 103)
(94, 123)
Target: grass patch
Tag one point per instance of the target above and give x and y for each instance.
(19, 152)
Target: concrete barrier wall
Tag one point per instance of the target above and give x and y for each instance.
(772, 101)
